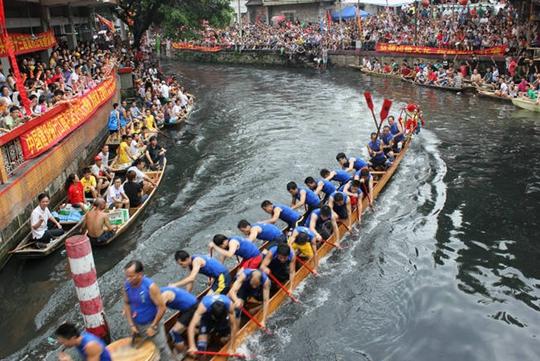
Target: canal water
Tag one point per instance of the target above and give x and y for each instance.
(446, 268)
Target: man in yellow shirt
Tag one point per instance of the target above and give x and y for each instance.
(89, 184)
(150, 121)
(124, 155)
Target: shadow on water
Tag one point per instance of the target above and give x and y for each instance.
(445, 269)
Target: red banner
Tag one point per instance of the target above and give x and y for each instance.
(193, 47)
(411, 49)
(27, 43)
(50, 128)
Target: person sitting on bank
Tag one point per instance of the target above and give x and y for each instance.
(89, 346)
(75, 192)
(89, 183)
(144, 306)
(116, 197)
(96, 223)
(42, 220)
(133, 190)
(155, 153)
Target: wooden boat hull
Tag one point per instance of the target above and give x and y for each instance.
(526, 104)
(492, 95)
(135, 212)
(446, 88)
(279, 297)
(23, 249)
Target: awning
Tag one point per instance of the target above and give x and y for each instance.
(348, 13)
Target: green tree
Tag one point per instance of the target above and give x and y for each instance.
(176, 17)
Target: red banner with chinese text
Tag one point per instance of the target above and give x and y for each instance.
(27, 43)
(193, 47)
(54, 126)
(411, 49)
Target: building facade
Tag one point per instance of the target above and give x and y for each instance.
(293, 10)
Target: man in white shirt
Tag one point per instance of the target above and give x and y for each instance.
(41, 234)
(116, 198)
(165, 90)
(140, 177)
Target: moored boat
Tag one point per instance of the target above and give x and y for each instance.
(127, 217)
(491, 95)
(447, 88)
(526, 104)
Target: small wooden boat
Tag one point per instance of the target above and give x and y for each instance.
(526, 104)
(248, 327)
(447, 88)
(380, 74)
(122, 350)
(180, 121)
(491, 95)
(133, 213)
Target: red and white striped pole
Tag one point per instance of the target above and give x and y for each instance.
(83, 272)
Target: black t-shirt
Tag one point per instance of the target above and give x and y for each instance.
(154, 152)
(133, 191)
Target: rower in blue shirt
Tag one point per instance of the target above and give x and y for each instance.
(320, 186)
(376, 152)
(89, 346)
(214, 316)
(280, 262)
(282, 212)
(211, 268)
(339, 176)
(397, 132)
(341, 205)
(352, 163)
(263, 231)
(237, 246)
(251, 283)
(303, 197)
(323, 222)
(185, 303)
(387, 142)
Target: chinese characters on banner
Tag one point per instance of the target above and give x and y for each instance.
(27, 43)
(57, 126)
(190, 46)
(411, 49)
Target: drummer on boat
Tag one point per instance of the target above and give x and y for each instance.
(144, 306)
(228, 247)
(217, 273)
(89, 346)
(215, 316)
(251, 285)
(185, 303)
(282, 212)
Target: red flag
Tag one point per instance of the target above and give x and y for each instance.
(385, 109)
(329, 17)
(369, 100)
(104, 21)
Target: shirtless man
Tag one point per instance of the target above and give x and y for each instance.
(97, 224)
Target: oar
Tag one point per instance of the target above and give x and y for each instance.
(368, 197)
(311, 270)
(332, 244)
(369, 102)
(223, 354)
(280, 285)
(252, 318)
(387, 103)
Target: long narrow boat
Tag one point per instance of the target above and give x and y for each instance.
(122, 168)
(248, 327)
(447, 88)
(491, 95)
(375, 73)
(157, 177)
(526, 104)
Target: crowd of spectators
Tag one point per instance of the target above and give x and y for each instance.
(444, 26)
(64, 75)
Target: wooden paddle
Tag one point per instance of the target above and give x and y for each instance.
(369, 101)
(280, 285)
(257, 322)
(223, 354)
(387, 104)
(311, 270)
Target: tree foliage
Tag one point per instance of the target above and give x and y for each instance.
(177, 18)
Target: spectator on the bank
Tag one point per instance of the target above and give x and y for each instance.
(42, 222)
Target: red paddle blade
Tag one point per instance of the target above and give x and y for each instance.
(385, 109)
(369, 100)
